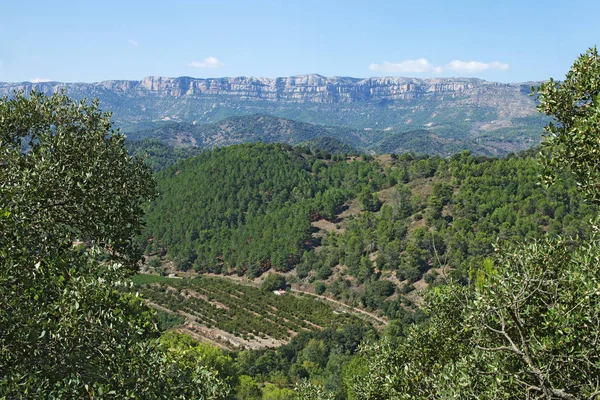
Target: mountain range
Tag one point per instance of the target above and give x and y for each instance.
(468, 113)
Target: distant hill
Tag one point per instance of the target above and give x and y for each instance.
(330, 145)
(157, 154)
(269, 129)
(422, 141)
(245, 129)
(499, 117)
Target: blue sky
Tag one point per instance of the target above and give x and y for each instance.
(88, 41)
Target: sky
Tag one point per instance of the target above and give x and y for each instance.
(90, 41)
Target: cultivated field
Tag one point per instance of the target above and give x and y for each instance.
(236, 315)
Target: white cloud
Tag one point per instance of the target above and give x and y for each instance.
(419, 66)
(133, 42)
(40, 80)
(474, 66)
(423, 66)
(208, 62)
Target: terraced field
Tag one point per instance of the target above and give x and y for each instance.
(235, 315)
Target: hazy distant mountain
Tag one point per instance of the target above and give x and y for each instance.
(268, 129)
(496, 116)
(251, 128)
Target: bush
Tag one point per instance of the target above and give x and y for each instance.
(274, 282)
(407, 288)
(409, 273)
(320, 287)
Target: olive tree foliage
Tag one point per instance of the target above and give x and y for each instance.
(528, 324)
(571, 141)
(305, 390)
(66, 175)
(528, 327)
(67, 328)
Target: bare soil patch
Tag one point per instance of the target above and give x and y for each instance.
(325, 226)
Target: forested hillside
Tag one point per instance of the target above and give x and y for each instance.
(243, 129)
(158, 155)
(449, 213)
(369, 232)
(356, 229)
(249, 208)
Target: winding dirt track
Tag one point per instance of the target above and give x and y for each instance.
(358, 310)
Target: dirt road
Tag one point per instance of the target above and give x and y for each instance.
(354, 309)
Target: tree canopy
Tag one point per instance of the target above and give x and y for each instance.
(70, 204)
(571, 140)
(247, 208)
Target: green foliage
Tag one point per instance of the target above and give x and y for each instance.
(273, 282)
(167, 320)
(140, 279)
(401, 201)
(314, 360)
(368, 201)
(320, 287)
(154, 263)
(314, 355)
(325, 145)
(380, 288)
(247, 389)
(307, 391)
(66, 176)
(272, 392)
(188, 353)
(67, 330)
(248, 208)
(528, 327)
(572, 140)
(158, 155)
(353, 373)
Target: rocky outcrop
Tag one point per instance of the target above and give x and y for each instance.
(303, 88)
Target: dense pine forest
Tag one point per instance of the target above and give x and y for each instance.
(251, 208)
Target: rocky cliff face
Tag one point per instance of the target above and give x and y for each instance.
(303, 88)
(459, 106)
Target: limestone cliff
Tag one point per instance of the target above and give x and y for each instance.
(302, 88)
(360, 103)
